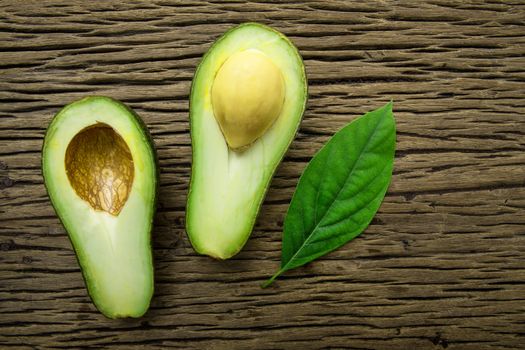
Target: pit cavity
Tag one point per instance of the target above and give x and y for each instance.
(99, 167)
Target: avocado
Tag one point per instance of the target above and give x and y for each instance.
(247, 100)
(100, 171)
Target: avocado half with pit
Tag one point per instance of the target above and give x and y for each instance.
(247, 100)
(100, 171)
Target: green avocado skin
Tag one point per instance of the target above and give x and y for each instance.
(90, 280)
(222, 233)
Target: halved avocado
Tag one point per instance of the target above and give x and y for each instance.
(100, 171)
(247, 100)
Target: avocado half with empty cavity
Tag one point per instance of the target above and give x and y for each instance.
(247, 100)
(100, 171)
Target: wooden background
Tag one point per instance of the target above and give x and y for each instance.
(441, 266)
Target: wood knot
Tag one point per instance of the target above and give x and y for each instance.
(409, 196)
(6, 182)
(8, 245)
(439, 340)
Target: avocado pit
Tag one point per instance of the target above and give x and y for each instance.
(99, 167)
(247, 97)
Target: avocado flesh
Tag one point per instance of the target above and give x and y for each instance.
(99, 168)
(228, 186)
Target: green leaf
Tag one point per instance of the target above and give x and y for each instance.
(340, 190)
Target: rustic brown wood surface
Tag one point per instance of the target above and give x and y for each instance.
(442, 264)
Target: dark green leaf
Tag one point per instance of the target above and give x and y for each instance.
(340, 190)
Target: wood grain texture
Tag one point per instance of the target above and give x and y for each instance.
(441, 266)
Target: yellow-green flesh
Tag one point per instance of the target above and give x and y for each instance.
(113, 249)
(228, 186)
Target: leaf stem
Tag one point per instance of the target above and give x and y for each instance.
(271, 279)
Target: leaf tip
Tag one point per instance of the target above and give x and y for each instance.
(390, 105)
